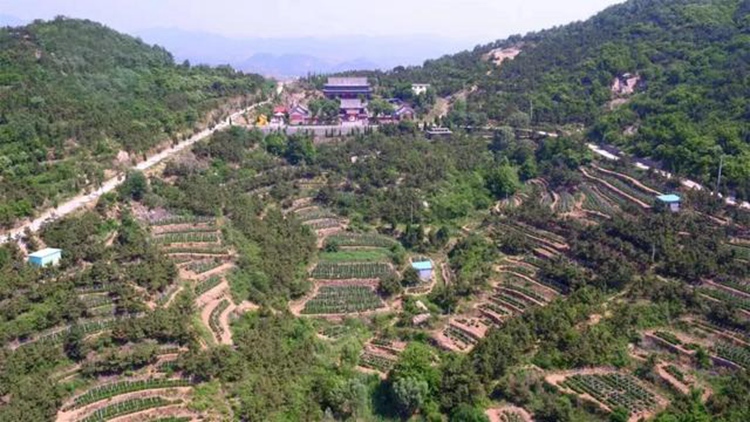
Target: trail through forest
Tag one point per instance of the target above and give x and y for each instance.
(84, 199)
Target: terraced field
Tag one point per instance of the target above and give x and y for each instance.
(351, 270)
(343, 299)
(361, 240)
(613, 390)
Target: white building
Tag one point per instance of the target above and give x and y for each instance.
(419, 89)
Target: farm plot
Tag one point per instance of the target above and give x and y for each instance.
(214, 322)
(187, 237)
(325, 223)
(108, 391)
(207, 285)
(625, 186)
(723, 296)
(361, 240)
(179, 219)
(376, 362)
(566, 203)
(595, 201)
(204, 266)
(613, 390)
(313, 213)
(351, 270)
(128, 407)
(343, 299)
(737, 354)
(357, 255)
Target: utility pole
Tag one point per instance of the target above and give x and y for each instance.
(531, 111)
(721, 168)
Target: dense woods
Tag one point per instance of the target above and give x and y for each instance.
(75, 93)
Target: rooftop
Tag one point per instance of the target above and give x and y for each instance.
(669, 198)
(347, 82)
(422, 265)
(352, 103)
(45, 252)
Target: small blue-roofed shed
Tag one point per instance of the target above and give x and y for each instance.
(45, 257)
(672, 201)
(424, 269)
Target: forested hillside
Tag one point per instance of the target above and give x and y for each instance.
(689, 107)
(74, 93)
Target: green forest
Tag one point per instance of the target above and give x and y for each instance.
(689, 108)
(73, 93)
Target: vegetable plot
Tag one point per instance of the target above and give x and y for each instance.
(364, 240)
(128, 407)
(614, 390)
(351, 270)
(343, 299)
(376, 362)
(111, 390)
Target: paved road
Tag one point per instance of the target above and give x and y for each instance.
(84, 199)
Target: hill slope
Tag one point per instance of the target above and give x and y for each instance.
(73, 93)
(692, 57)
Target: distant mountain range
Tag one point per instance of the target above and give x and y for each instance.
(290, 57)
(8, 20)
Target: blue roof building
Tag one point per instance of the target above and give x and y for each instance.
(671, 201)
(45, 257)
(424, 269)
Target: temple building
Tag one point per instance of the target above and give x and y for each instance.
(347, 88)
(353, 109)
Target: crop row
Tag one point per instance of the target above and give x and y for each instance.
(361, 239)
(494, 308)
(675, 372)
(353, 270)
(736, 354)
(532, 231)
(729, 298)
(322, 224)
(171, 238)
(509, 302)
(376, 362)
(108, 391)
(627, 188)
(92, 301)
(614, 390)
(459, 335)
(343, 299)
(196, 252)
(594, 201)
(86, 327)
(183, 219)
(525, 291)
(308, 214)
(174, 419)
(213, 319)
(177, 230)
(566, 203)
(207, 285)
(101, 311)
(200, 267)
(335, 332)
(128, 407)
(668, 337)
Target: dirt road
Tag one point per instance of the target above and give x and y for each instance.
(84, 199)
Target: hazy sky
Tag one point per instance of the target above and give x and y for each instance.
(476, 20)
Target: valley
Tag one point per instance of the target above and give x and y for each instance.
(481, 248)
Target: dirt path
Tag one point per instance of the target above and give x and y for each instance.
(84, 199)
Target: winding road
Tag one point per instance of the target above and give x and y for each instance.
(84, 199)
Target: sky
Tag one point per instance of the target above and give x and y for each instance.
(465, 20)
